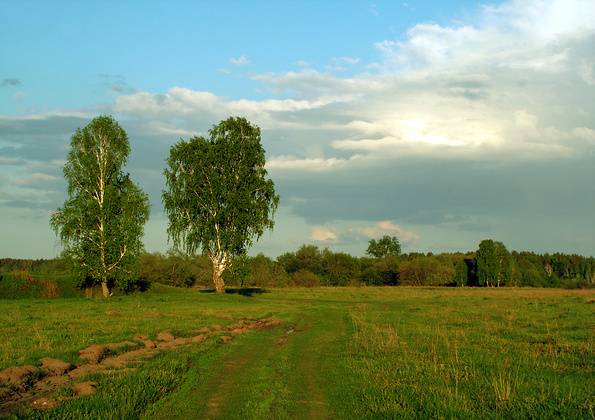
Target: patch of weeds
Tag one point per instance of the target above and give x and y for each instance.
(65, 392)
(111, 352)
(93, 377)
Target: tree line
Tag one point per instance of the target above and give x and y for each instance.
(312, 266)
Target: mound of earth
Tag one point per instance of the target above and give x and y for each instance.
(37, 386)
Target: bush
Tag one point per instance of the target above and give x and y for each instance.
(175, 269)
(305, 278)
(341, 269)
(576, 284)
(264, 272)
(426, 271)
(371, 276)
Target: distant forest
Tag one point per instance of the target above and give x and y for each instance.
(312, 266)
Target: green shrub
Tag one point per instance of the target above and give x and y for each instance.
(305, 278)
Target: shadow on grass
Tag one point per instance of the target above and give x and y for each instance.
(244, 291)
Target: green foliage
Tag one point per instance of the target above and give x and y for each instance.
(101, 224)
(308, 258)
(218, 197)
(461, 273)
(379, 272)
(340, 269)
(426, 271)
(305, 278)
(263, 272)
(309, 266)
(493, 263)
(174, 269)
(386, 246)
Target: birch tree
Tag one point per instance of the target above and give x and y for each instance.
(386, 246)
(101, 224)
(493, 263)
(219, 199)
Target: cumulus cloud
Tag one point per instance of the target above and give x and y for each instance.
(322, 234)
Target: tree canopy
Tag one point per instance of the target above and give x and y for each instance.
(387, 246)
(102, 222)
(493, 263)
(218, 197)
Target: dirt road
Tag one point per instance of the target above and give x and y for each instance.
(286, 372)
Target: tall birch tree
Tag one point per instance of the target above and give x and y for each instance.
(101, 224)
(219, 199)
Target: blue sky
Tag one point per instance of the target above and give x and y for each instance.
(440, 122)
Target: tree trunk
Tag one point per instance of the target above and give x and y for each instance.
(104, 288)
(220, 263)
(218, 268)
(218, 280)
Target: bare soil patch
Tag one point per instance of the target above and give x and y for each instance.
(37, 386)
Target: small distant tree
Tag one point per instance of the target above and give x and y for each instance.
(493, 263)
(311, 258)
(341, 269)
(387, 246)
(218, 197)
(461, 273)
(288, 262)
(102, 222)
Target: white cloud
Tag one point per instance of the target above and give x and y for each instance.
(347, 60)
(322, 234)
(240, 61)
(388, 228)
(542, 19)
(308, 164)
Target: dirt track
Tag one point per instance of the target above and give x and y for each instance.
(281, 374)
(37, 386)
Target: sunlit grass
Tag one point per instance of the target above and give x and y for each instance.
(387, 352)
(471, 352)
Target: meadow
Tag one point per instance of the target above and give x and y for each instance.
(338, 353)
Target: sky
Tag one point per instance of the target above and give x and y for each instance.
(442, 123)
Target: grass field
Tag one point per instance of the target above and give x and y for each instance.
(343, 353)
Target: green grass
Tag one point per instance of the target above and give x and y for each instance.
(340, 353)
(474, 354)
(24, 285)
